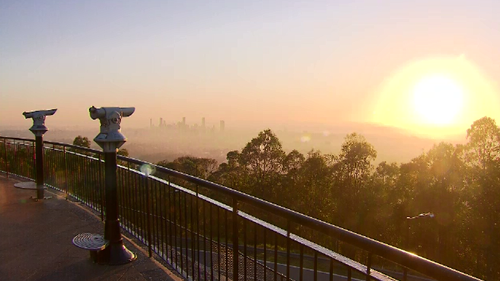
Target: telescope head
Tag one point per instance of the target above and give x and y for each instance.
(39, 128)
(110, 138)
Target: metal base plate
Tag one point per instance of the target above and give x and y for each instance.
(30, 185)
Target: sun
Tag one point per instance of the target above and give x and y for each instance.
(437, 99)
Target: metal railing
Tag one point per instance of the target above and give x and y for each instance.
(207, 231)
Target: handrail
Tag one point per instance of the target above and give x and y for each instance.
(404, 258)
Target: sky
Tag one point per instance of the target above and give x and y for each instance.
(250, 63)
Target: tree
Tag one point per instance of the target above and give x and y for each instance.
(198, 167)
(230, 174)
(123, 152)
(262, 158)
(81, 141)
(314, 183)
(351, 171)
(483, 155)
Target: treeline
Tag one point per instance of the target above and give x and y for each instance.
(459, 184)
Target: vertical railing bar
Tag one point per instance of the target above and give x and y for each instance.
(204, 239)
(171, 230)
(100, 185)
(349, 274)
(6, 157)
(142, 211)
(186, 230)
(198, 232)
(315, 266)
(166, 220)
(193, 246)
(85, 182)
(93, 190)
(265, 255)
(226, 238)
(157, 215)
(176, 210)
(331, 269)
(135, 207)
(218, 242)
(245, 245)
(83, 177)
(162, 220)
(180, 230)
(65, 171)
(368, 266)
(125, 216)
(275, 256)
(211, 243)
(78, 187)
(288, 226)
(254, 251)
(148, 218)
(235, 239)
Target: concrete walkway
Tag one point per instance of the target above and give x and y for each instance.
(36, 241)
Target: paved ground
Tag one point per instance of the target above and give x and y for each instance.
(35, 241)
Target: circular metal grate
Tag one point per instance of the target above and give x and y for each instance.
(90, 241)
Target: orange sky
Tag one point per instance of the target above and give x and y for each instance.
(257, 64)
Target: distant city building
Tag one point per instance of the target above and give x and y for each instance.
(151, 122)
(161, 122)
(203, 122)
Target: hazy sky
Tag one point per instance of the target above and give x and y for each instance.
(247, 62)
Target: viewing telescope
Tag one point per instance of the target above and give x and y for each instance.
(110, 138)
(38, 116)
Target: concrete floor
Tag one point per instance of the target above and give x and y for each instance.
(36, 241)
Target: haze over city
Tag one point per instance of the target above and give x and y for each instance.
(391, 70)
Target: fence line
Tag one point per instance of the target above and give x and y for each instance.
(210, 232)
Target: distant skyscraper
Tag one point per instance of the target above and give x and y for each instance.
(161, 122)
(151, 122)
(203, 122)
(222, 125)
(184, 120)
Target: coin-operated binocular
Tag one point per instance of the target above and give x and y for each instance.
(110, 138)
(39, 128)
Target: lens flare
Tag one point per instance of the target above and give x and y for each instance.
(147, 169)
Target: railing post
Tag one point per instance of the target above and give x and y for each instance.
(368, 266)
(235, 239)
(6, 159)
(65, 172)
(101, 192)
(38, 129)
(110, 139)
(148, 218)
(288, 249)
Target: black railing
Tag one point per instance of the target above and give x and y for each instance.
(210, 232)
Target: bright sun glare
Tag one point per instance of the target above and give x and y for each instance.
(439, 96)
(437, 99)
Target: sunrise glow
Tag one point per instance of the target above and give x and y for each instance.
(436, 97)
